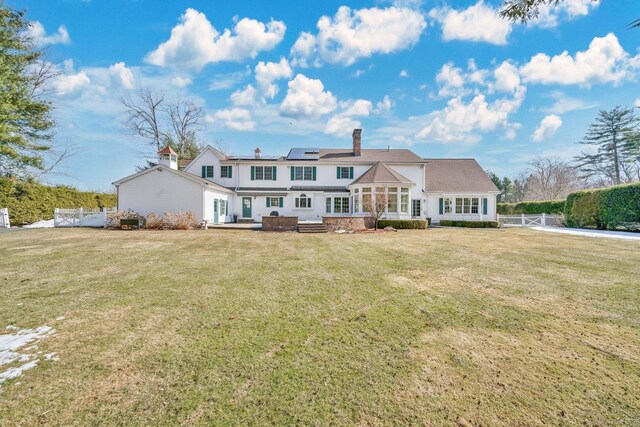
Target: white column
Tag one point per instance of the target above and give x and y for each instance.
(523, 219)
(81, 216)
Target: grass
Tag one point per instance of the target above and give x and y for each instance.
(436, 327)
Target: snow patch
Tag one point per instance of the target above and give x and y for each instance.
(45, 223)
(11, 343)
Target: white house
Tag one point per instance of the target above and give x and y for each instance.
(311, 183)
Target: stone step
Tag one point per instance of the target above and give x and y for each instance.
(245, 221)
(312, 228)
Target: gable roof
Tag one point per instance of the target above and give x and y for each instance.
(217, 153)
(180, 173)
(381, 173)
(456, 176)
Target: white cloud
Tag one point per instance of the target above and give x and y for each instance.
(227, 80)
(565, 104)
(403, 73)
(547, 128)
(39, 35)
(247, 96)
(461, 122)
(343, 123)
(235, 118)
(478, 23)
(550, 15)
(451, 80)
(194, 42)
(267, 73)
(354, 34)
(307, 98)
(384, 106)
(507, 77)
(180, 82)
(637, 103)
(122, 75)
(68, 81)
(605, 61)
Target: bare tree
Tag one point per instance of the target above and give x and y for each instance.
(161, 122)
(375, 204)
(143, 116)
(550, 179)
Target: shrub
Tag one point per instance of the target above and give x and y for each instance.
(403, 224)
(470, 224)
(113, 218)
(611, 208)
(179, 221)
(532, 208)
(154, 221)
(30, 201)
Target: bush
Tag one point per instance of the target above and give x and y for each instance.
(29, 201)
(403, 224)
(113, 218)
(179, 221)
(470, 224)
(611, 208)
(532, 208)
(154, 221)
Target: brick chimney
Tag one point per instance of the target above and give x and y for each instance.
(357, 142)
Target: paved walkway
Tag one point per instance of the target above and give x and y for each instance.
(592, 233)
(238, 226)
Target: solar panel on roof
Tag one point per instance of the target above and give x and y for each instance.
(303, 154)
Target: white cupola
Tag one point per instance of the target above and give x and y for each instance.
(168, 157)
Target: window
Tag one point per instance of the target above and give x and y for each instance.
(303, 202)
(303, 173)
(467, 205)
(345, 172)
(263, 173)
(404, 200)
(392, 200)
(459, 205)
(223, 208)
(415, 208)
(328, 204)
(340, 205)
(366, 199)
(225, 172)
(274, 201)
(207, 171)
(474, 206)
(448, 205)
(356, 200)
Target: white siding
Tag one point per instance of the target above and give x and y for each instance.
(161, 191)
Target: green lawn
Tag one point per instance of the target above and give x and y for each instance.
(437, 327)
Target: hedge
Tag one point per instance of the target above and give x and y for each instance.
(29, 201)
(404, 224)
(532, 208)
(470, 224)
(612, 208)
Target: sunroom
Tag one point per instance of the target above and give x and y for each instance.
(381, 189)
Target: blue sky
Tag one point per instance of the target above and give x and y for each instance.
(444, 78)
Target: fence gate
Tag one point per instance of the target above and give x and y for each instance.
(81, 217)
(541, 220)
(4, 218)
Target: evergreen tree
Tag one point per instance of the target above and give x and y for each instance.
(25, 116)
(615, 134)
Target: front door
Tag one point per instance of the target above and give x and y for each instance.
(415, 208)
(215, 210)
(246, 207)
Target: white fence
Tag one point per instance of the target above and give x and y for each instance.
(542, 220)
(81, 217)
(4, 218)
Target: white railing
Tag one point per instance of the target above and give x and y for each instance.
(539, 220)
(4, 218)
(81, 217)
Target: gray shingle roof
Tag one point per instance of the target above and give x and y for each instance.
(381, 173)
(456, 176)
(330, 155)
